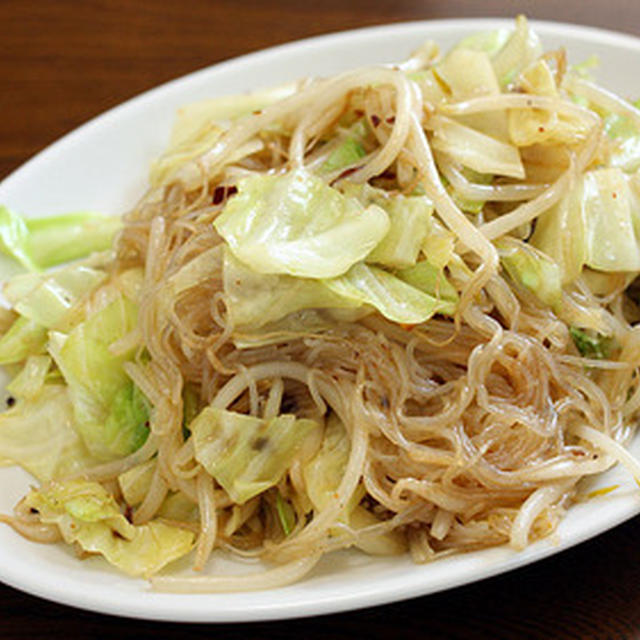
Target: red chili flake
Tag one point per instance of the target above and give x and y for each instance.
(390, 120)
(614, 194)
(344, 174)
(358, 112)
(541, 129)
(221, 193)
(257, 112)
(375, 121)
(218, 195)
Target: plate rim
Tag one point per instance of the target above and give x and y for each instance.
(160, 608)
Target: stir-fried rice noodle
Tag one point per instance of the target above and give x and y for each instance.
(464, 431)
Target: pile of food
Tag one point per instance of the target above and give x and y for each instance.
(395, 309)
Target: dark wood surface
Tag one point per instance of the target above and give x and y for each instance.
(65, 61)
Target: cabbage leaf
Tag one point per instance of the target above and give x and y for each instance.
(521, 49)
(597, 223)
(476, 150)
(245, 454)
(39, 435)
(409, 218)
(489, 42)
(391, 296)
(24, 338)
(193, 118)
(591, 344)
(39, 243)
(439, 245)
(431, 280)
(624, 137)
(295, 224)
(541, 126)
(47, 299)
(469, 74)
(611, 210)
(135, 482)
(531, 269)
(255, 299)
(110, 411)
(344, 155)
(87, 515)
(31, 378)
(322, 476)
(323, 473)
(560, 234)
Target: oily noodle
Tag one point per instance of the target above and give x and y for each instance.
(454, 447)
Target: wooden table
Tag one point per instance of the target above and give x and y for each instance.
(63, 62)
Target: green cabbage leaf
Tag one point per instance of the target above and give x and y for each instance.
(296, 224)
(39, 434)
(410, 221)
(88, 516)
(39, 243)
(48, 299)
(245, 454)
(531, 269)
(597, 223)
(394, 298)
(24, 338)
(110, 411)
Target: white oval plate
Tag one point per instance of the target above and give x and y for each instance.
(102, 166)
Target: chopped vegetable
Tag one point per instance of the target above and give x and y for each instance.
(49, 300)
(30, 381)
(591, 346)
(532, 269)
(518, 52)
(286, 514)
(24, 338)
(247, 455)
(39, 434)
(476, 150)
(323, 473)
(348, 153)
(39, 243)
(409, 218)
(391, 296)
(469, 74)
(110, 412)
(88, 516)
(256, 299)
(297, 225)
(429, 279)
(597, 223)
